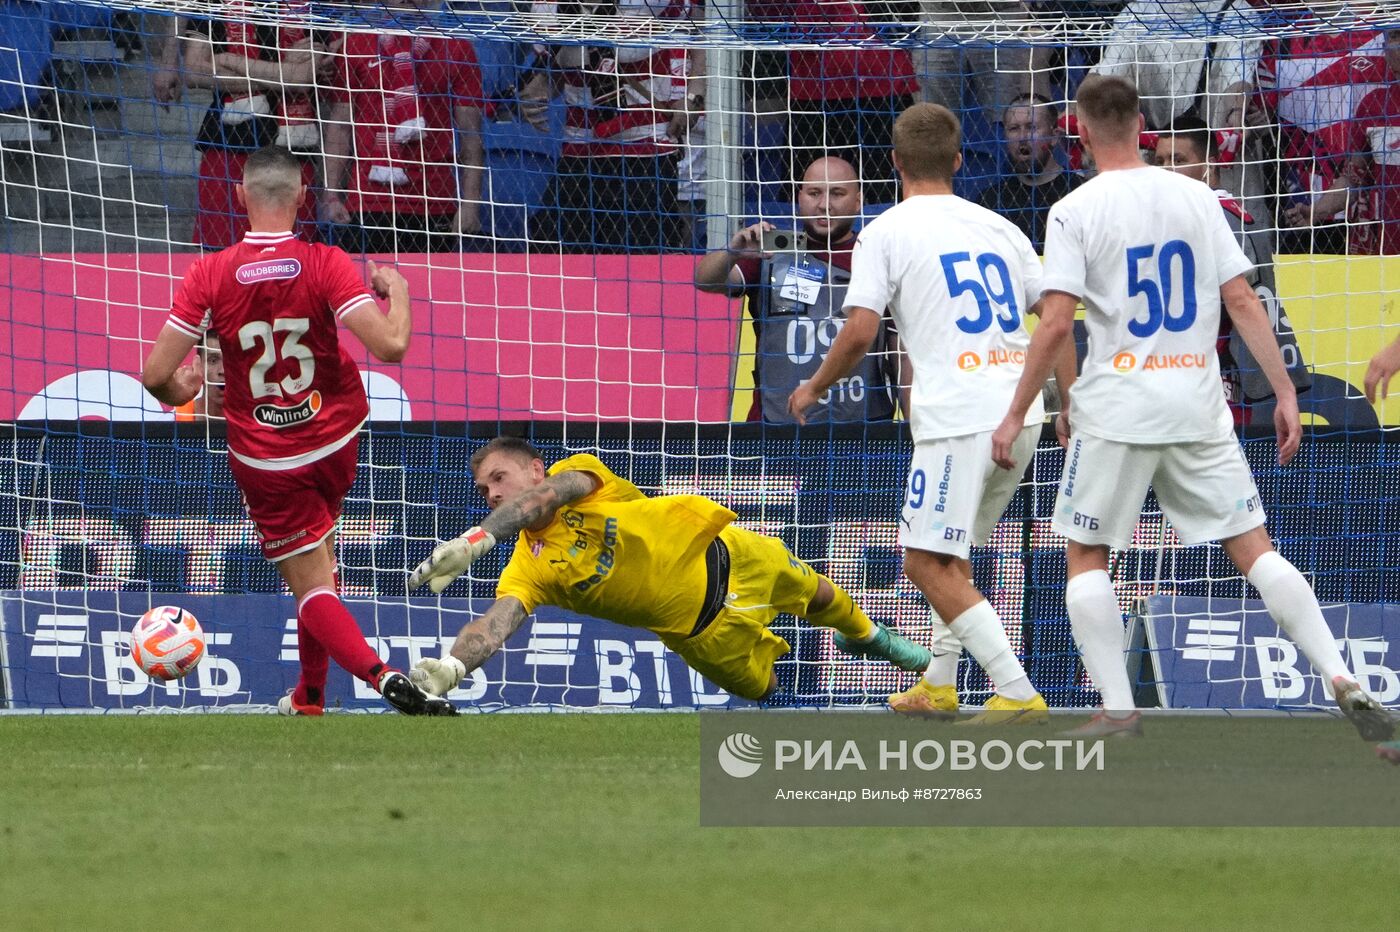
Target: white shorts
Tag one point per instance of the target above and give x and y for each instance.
(956, 495)
(1206, 490)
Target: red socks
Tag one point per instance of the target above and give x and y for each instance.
(315, 663)
(323, 620)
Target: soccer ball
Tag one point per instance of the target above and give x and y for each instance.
(167, 642)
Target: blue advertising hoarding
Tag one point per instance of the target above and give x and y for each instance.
(72, 649)
(152, 513)
(1210, 654)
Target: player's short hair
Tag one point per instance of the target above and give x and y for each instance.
(927, 140)
(1109, 102)
(272, 175)
(514, 446)
(1195, 131)
(209, 344)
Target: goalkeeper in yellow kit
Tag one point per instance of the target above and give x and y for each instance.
(590, 542)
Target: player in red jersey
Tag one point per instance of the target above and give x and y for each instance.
(294, 405)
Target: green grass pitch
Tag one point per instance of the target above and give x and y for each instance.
(573, 821)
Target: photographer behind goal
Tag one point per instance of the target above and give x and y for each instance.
(795, 283)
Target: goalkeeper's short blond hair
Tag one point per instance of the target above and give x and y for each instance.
(514, 446)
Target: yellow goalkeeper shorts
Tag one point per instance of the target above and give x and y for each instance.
(736, 651)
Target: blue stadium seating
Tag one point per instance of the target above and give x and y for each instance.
(26, 49)
(64, 16)
(520, 159)
(519, 177)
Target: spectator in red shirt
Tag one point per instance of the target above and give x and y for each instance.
(264, 81)
(294, 406)
(843, 100)
(1372, 174)
(1313, 85)
(410, 178)
(616, 181)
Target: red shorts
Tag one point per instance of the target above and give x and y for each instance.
(221, 220)
(294, 510)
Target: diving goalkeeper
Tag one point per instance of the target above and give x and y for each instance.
(590, 542)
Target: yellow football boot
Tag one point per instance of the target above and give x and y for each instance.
(924, 700)
(1000, 710)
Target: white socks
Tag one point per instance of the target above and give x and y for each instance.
(981, 632)
(1292, 603)
(1097, 624)
(947, 651)
(943, 670)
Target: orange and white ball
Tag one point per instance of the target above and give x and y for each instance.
(167, 642)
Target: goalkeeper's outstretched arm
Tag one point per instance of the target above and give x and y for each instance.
(476, 642)
(482, 637)
(533, 508)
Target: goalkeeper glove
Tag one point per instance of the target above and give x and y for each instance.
(451, 560)
(438, 677)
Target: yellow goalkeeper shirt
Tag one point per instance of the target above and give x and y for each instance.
(618, 555)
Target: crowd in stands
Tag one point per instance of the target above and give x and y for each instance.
(420, 143)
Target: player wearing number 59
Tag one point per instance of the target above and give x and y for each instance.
(958, 280)
(592, 543)
(294, 405)
(1151, 256)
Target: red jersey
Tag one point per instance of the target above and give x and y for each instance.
(642, 92)
(620, 103)
(843, 72)
(292, 394)
(1315, 82)
(445, 75)
(1376, 133)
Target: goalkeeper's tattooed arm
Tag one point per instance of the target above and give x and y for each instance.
(533, 508)
(536, 507)
(481, 638)
(475, 644)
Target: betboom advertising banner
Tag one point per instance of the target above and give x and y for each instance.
(1216, 655)
(72, 649)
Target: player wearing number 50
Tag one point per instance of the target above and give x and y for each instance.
(958, 280)
(1151, 256)
(294, 405)
(590, 542)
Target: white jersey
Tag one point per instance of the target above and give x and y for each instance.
(1147, 251)
(958, 279)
